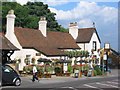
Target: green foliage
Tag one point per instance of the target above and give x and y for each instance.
(28, 69)
(76, 53)
(98, 70)
(95, 73)
(86, 67)
(48, 68)
(18, 10)
(28, 15)
(33, 61)
(26, 61)
(58, 70)
(77, 67)
(69, 68)
(40, 69)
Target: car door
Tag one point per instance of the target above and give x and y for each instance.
(8, 74)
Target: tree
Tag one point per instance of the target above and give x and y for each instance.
(18, 9)
(29, 15)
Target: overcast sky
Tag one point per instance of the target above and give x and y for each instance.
(104, 14)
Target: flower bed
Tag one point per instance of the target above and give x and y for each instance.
(47, 75)
(67, 74)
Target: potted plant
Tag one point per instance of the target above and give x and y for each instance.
(33, 61)
(69, 70)
(40, 71)
(48, 74)
(26, 61)
(58, 71)
(86, 68)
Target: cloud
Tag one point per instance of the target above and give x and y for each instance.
(22, 2)
(53, 2)
(85, 23)
(109, 14)
(62, 15)
(87, 9)
(85, 13)
(49, 2)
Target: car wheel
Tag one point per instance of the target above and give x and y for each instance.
(17, 82)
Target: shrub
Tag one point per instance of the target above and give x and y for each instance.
(40, 69)
(25, 69)
(58, 70)
(98, 70)
(69, 68)
(95, 73)
(48, 68)
(33, 61)
(28, 69)
(86, 67)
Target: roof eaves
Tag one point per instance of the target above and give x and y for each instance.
(35, 49)
(70, 48)
(83, 42)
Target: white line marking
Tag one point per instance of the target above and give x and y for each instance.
(70, 88)
(107, 85)
(89, 86)
(112, 82)
(115, 80)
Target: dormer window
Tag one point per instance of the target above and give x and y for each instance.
(94, 45)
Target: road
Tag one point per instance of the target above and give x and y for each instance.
(69, 83)
(93, 83)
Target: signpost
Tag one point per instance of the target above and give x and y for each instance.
(107, 48)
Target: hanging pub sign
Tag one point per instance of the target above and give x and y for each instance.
(107, 46)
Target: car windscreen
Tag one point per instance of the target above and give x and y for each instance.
(7, 69)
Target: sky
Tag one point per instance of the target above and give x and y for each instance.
(104, 13)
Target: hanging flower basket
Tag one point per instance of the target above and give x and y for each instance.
(33, 61)
(18, 60)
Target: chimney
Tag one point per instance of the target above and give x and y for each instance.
(10, 35)
(43, 26)
(73, 30)
(10, 23)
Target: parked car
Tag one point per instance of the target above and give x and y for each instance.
(10, 76)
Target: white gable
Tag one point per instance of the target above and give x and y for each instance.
(89, 46)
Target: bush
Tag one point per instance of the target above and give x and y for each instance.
(98, 70)
(28, 69)
(95, 73)
(86, 67)
(48, 68)
(58, 70)
(40, 69)
(69, 68)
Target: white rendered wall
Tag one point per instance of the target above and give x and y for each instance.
(22, 55)
(89, 46)
(95, 38)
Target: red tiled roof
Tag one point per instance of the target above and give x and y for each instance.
(5, 44)
(50, 45)
(85, 35)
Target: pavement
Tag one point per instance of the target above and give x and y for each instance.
(61, 79)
